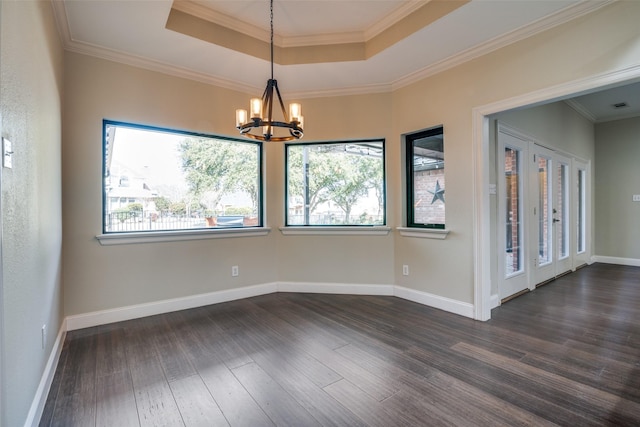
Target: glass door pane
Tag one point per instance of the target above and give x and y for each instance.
(581, 220)
(513, 185)
(562, 211)
(544, 207)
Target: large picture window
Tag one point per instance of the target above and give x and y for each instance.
(159, 180)
(335, 183)
(425, 179)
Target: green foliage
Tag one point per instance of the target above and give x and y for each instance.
(352, 180)
(121, 214)
(135, 207)
(239, 210)
(162, 204)
(178, 208)
(218, 167)
(195, 207)
(335, 176)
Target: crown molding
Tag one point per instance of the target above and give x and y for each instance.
(62, 22)
(613, 119)
(203, 12)
(343, 91)
(208, 14)
(581, 109)
(72, 45)
(172, 70)
(562, 16)
(392, 18)
(563, 90)
(200, 10)
(158, 66)
(322, 39)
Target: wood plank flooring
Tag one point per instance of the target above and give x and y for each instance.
(566, 354)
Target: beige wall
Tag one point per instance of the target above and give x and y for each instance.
(598, 43)
(31, 81)
(338, 259)
(617, 174)
(99, 277)
(555, 125)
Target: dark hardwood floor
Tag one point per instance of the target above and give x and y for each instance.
(566, 354)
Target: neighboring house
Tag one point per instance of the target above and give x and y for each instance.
(123, 190)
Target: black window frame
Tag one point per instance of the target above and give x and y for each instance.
(186, 133)
(382, 141)
(410, 173)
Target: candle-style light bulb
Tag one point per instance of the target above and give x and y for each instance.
(241, 117)
(256, 108)
(295, 111)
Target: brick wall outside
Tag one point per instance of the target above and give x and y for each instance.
(513, 215)
(424, 187)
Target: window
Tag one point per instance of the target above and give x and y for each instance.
(159, 180)
(335, 183)
(514, 186)
(425, 179)
(582, 211)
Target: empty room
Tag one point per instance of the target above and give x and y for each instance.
(350, 213)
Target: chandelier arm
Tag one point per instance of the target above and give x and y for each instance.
(284, 113)
(270, 110)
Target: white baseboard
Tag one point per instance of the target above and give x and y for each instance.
(447, 304)
(615, 260)
(137, 311)
(104, 317)
(335, 288)
(494, 301)
(40, 399)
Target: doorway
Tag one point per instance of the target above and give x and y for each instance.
(542, 212)
(551, 220)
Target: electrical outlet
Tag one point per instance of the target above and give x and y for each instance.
(636, 197)
(44, 336)
(405, 270)
(235, 271)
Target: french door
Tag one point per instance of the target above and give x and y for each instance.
(542, 213)
(513, 194)
(550, 226)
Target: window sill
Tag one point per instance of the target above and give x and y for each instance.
(179, 235)
(424, 233)
(336, 231)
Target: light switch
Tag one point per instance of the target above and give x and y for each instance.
(636, 197)
(7, 157)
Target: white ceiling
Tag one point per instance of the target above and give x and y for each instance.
(133, 32)
(600, 106)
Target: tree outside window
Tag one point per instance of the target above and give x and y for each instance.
(336, 183)
(159, 179)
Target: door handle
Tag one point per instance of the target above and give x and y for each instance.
(555, 220)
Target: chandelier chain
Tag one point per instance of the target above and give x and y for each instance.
(271, 20)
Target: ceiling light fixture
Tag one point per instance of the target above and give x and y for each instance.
(620, 105)
(262, 112)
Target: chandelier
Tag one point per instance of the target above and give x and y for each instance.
(260, 124)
